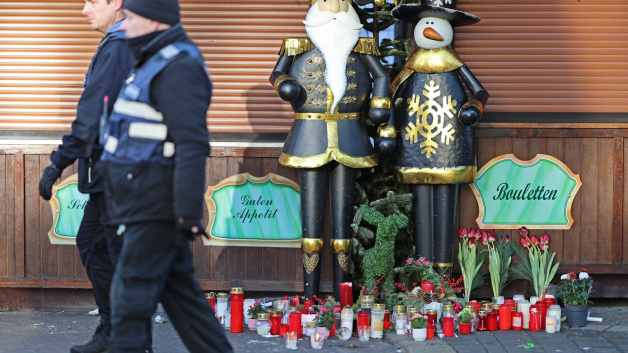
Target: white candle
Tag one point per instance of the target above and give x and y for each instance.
(550, 324)
(524, 308)
(400, 326)
(533, 300)
(311, 319)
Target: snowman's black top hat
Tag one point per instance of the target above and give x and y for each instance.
(444, 9)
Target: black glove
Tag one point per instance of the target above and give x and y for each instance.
(386, 145)
(288, 90)
(379, 115)
(469, 115)
(48, 178)
(191, 228)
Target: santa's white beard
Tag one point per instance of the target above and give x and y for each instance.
(335, 41)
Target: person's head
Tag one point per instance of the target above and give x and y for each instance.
(103, 14)
(334, 28)
(147, 16)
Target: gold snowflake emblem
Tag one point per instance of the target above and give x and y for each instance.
(430, 119)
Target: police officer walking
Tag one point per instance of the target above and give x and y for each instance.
(155, 160)
(96, 240)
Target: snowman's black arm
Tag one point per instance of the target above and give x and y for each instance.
(281, 69)
(380, 103)
(479, 93)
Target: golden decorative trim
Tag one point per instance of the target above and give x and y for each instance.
(434, 61)
(316, 60)
(342, 245)
(328, 116)
(316, 88)
(237, 290)
(295, 46)
(379, 306)
(367, 46)
(310, 262)
(474, 103)
(317, 101)
(380, 102)
(351, 86)
(387, 131)
(451, 264)
(311, 245)
(317, 74)
(350, 60)
(330, 100)
(279, 80)
(332, 154)
(344, 261)
(349, 100)
(351, 73)
(312, 2)
(457, 175)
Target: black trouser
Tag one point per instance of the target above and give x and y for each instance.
(313, 185)
(99, 247)
(156, 265)
(434, 211)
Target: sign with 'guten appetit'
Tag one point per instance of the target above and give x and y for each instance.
(537, 194)
(249, 211)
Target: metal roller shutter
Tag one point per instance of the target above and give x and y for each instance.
(533, 56)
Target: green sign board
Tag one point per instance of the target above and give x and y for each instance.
(68, 205)
(249, 211)
(537, 194)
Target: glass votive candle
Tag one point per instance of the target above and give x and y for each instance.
(364, 332)
(533, 300)
(518, 297)
(550, 324)
(317, 341)
(290, 339)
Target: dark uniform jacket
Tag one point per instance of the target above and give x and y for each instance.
(318, 135)
(433, 146)
(156, 192)
(107, 73)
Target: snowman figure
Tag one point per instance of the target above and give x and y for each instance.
(433, 118)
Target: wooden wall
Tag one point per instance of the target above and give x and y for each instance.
(598, 240)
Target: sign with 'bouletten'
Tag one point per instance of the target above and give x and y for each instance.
(537, 194)
(249, 211)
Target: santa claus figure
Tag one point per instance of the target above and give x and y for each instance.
(434, 118)
(328, 79)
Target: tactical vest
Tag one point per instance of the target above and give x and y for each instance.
(137, 133)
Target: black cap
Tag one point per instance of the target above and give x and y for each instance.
(163, 11)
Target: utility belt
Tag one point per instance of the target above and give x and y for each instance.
(330, 117)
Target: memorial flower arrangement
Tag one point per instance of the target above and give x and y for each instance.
(326, 316)
(535, 266)
(574, 289)
(470, 261)
(465, 316)
(499, 259)
(418, 321)
(255, 309)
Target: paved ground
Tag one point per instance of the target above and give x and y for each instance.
(37, 332)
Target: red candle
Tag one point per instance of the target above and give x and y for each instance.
(346, 294)
(332, 330)
(307, 304)
(284, 329)
(431, 317)
(505, 317)
(476, 305)
(482, 325)
(363, 319)
(535, 319)
(430, 331)
(491, 321)
(211, 298)
(295, 323)
(237, 310)
(517, 321)
(448, 326)
(275, 322)
(386, 320)
(542, 307)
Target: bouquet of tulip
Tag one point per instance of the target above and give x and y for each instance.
(470, 261)
(575, 288)
(536, 267)
(499, 258)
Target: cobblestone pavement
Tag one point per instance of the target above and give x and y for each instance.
(52, 332)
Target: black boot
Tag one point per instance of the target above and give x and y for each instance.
(98, 344)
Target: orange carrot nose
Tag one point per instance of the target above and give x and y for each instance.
(432, 34)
